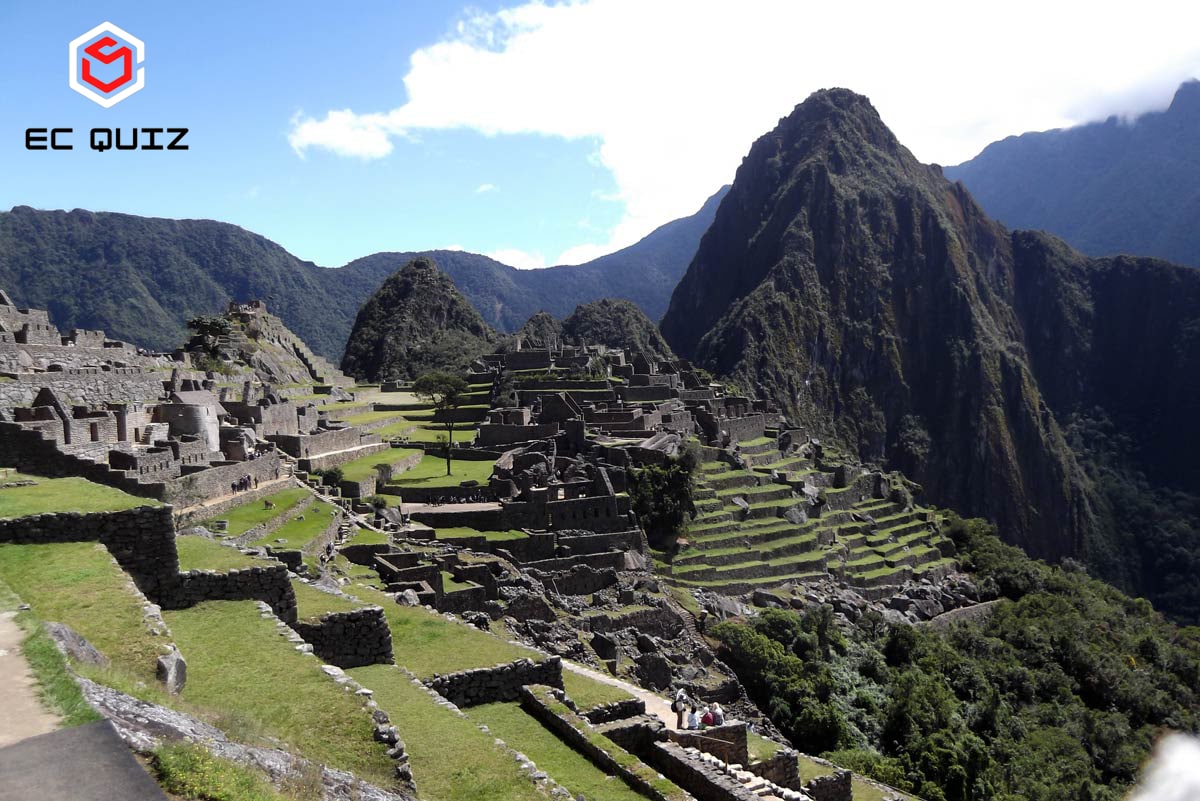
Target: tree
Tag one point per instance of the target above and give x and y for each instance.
(445, 391)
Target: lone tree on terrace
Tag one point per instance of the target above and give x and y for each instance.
(445, 391)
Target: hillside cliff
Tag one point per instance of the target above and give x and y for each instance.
(416, 322)
(1107, 187)
(879, 305)
(617, 324)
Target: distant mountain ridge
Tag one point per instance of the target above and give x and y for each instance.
(1107, 187)
(141, 278)
(1010, 375)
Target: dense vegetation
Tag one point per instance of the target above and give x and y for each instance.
(662, 496)
(1107, 187)
(1058, 694)
(141, 278)
(879, 305)
(417, 322)
(617, 324)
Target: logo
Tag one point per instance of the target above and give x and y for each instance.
(103, 62)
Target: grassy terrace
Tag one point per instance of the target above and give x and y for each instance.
(454, 533)
(427, 643)
(431, 472)
(428, 433)
(297, 533)
(363, 418)
(242, 518)
(257, 686)
(62, 495)
(77, 583)
(367, 536)
(565, 765)
(312, 603)
(365, 466)
(201, 553)
(452, 760)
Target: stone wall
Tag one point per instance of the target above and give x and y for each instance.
(596, 513)
(743, 429)
(727, 743)
(831, 788)
(268, 583)
(500, 434)
(85, 388)
(349, 639)
(579, 580)
(502, 682)
(659, 621)
(617, 710)
(214, 482)
(704, 781)
(185, 518)
(783, 769)
(570, 728)
(305, 446)
(368, 486)
(328, 460)
(142, 540)
(470, 598)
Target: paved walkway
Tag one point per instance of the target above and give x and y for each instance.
(22, 714)
(656, 704)
(86, 763)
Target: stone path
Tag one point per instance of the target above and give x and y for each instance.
(449, 508)
(656, 704)
(22, 714)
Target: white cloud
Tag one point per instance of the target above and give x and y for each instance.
(484, 188)
(520, 259)
(675, 91)
(1173, 773)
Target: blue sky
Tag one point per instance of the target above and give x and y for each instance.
(539, 133)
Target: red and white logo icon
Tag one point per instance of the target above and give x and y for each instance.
(103, 62)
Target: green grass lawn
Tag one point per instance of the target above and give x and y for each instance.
(363, 467)
(430, 434)
(431, 472)
(62, 495)
(451, 759)
(311, 603)
(245, 517)
(426, 643)
(397, 429)
(296, 533)
(458, 532)
(363, 418)
(451, 584)
(367, 536)
(78, 584)
(565, 765)
(201, 553)
(255, 682)
(588, 693)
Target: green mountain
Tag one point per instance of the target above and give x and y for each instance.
(141, 278)
(1107, 187)
(617, 324)
(645, 273)
(1011, 376)
(416, 322)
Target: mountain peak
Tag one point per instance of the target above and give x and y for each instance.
(1187, 98)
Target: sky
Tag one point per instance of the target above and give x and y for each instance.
(537, 133)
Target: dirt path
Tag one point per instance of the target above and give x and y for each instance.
(21, 714)
(657, 705)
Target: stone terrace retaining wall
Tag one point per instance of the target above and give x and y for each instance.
(349, 639)
(85, 388)
(142, 540)
(702, 780)
(617, 710)
(268, 583)
(215, 482)
(499, 683)
(328, 460)
(659, 621)
(368, 486)
(831, 788)
(580, 580)
(569, 728)
(190, 517)
(727, 743)
(783, 769)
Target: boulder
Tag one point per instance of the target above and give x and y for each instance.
(171, 671)
(408, 598)
(74, 646)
